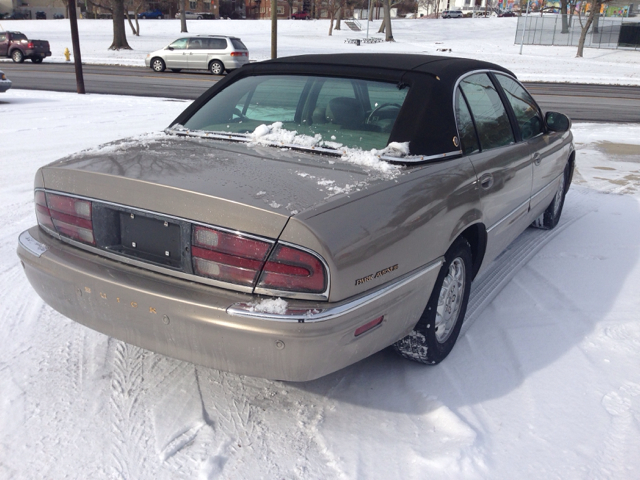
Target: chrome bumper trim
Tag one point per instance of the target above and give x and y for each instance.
(323, 314)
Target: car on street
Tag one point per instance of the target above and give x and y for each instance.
(5, 83)
(189, 15)
(508, 13)
(303, 213)
(155, 14)
(452, 14)
(300, 16)
(18, 47)
(216, 53)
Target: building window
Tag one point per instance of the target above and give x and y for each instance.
(280, 10)
(193, 5)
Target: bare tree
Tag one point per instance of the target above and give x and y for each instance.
(332, 7)
(116, 7)
(386, 21)
(595, 10)
(136, 6)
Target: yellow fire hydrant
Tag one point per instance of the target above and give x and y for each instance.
(67, 54)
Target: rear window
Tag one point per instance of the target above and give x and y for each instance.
(237, 44)
(351, 112)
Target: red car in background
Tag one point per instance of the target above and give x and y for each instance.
(300, 16)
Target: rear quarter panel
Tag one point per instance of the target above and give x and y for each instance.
(394, 228)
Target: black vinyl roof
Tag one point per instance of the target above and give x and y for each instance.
(437, 65)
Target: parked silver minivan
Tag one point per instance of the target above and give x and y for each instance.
(215, 53)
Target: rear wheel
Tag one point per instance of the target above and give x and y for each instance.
(216, 67)
(17, 56)
(435, 334)
(551, 216)
(158, 65)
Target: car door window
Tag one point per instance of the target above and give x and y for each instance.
(196, 44)
(527, 114)
(273, 100)
(466, 128)
(489, 113)
(179, 44)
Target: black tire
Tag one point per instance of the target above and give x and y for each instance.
(216, 67)
(144, 17)
(17, 56)
(434, 336)
(176, 70)
(198, 17)
(551, 216)
(37, 60)
(158, 65)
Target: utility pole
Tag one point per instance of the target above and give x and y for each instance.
(274, 28)
(75, 40)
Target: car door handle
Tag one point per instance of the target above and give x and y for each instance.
(537, 158)
(486, 181)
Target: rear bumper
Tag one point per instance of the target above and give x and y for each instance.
(212, 326)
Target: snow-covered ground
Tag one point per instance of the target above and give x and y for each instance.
(490, 39)
(545, 383)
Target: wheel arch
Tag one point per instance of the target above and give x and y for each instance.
(476, 235)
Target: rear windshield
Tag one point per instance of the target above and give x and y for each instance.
(237, 44)
(350, 112)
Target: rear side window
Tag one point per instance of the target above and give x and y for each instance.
(527, 113)
(466, 129)
(237, 44)
(216, 43)
(489, 113)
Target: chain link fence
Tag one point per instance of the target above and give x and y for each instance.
(609, 32)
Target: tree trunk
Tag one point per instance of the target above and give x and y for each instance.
(585, 28)
(338, 18)
(135, 29)
(119, 33)
(563, 11)
(331, 22)
(183, 18)
(596, 22)
(387, 21)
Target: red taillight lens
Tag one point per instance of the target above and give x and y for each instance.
(30, 45)
(68, 216)
(42, 211)
(227, 257)
(239, 54)
(294, 270)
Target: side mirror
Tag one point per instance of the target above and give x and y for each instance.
(169, 48)
(557, 122)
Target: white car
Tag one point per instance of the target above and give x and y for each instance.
(191, 15)
(452, 14)
(5, 83)
(215, 53)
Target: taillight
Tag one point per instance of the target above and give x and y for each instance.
(30, 45)
(295, 270)
(70, 217)
(227, 257)
(239, 54)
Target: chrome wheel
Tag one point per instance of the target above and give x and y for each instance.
(157, 64)
(216, 67)
(450, 300)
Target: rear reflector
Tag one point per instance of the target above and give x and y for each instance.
(368, 326)
(294, 270)
(227, 257)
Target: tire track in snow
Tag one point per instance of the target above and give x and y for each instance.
(130, 424)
